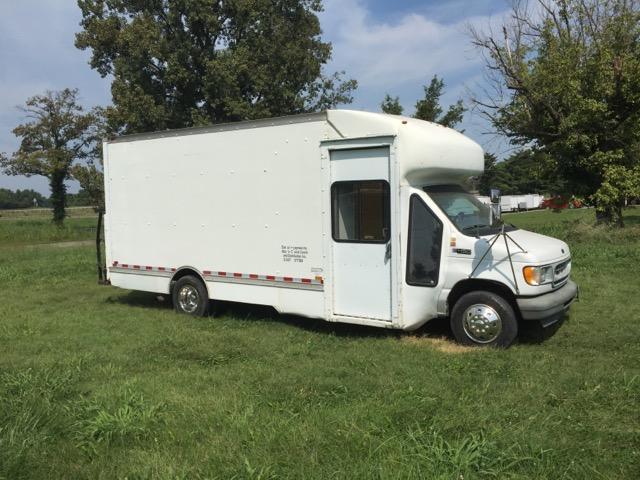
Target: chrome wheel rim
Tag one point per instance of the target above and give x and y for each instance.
(481, 323)
(188, 298)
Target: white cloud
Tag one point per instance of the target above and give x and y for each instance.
(399, 54)
(383, 54)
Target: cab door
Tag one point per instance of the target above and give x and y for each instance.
(361, 233)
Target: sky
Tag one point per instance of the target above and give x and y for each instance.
(389, 46)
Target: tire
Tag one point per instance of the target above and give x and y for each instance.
(190, 296)
(484, 319)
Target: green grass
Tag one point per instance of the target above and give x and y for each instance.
(97, 382)
(30, 231)
(44, 213)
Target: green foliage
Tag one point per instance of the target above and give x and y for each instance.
(59, 132)
(81, 199)
(251, 394)
(619, 182)
(178, 63)
(429, 108)
(527, 171)
(391, 105)
(21, 199)
(126, 417)
(567, 80)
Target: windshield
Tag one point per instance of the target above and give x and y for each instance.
(465, 211)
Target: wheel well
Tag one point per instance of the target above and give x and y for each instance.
(183, 272)
(474, 284)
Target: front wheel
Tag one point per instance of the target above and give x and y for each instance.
(190, 296)
(484, 319)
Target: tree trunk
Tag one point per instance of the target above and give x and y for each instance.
(58, 196)
(610, 215)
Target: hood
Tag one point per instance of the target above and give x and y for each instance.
(535, 248)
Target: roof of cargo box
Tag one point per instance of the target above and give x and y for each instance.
(430, 153)
(224, 127)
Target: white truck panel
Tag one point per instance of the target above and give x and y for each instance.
(247, 207)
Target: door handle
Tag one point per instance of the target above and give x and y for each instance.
(387, 253)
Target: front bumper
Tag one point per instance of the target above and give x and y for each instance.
(550, 307)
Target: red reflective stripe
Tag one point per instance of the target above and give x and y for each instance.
(252, 276)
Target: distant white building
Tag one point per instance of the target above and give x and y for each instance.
(513, 203)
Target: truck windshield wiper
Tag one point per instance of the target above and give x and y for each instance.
(471, 227)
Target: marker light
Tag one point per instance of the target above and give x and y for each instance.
(538, 275)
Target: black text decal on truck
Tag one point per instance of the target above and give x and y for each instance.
(294, 254)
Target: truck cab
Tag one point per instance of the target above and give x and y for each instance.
(438, 250)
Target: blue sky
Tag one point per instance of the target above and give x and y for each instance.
(388, 46)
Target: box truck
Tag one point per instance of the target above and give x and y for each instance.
(345, 216)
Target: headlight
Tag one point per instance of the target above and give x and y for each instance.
(538, 275)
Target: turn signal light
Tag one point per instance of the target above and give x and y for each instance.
(538, 275)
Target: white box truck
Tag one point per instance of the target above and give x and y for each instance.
(342, 215)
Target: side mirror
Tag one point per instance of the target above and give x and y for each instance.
(495, 195)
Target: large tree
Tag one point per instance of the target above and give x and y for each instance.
(178, 63)
(429, 108)
(564, 77)
(58, 133)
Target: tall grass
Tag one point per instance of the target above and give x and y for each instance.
(17, 232)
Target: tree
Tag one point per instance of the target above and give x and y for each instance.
(566, 81)
(487, 180)
(429, 108)
(58, 134)
(177, 63)
(91, 179)
(391, 105)
(21, 199)
(526, 171)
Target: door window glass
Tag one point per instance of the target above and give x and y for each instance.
(360, 211)
(425, 243)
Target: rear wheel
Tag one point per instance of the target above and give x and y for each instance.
(485, 319)
(190, 296)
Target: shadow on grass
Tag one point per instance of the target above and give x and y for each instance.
(437, 328)
(532, 333)
(140, 299)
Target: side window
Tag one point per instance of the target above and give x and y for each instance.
(360, 211)
(425, 244)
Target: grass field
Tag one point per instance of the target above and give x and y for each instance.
(97, 382)
(71, 212)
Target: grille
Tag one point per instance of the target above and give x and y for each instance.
(561, 273)
(560, 269)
